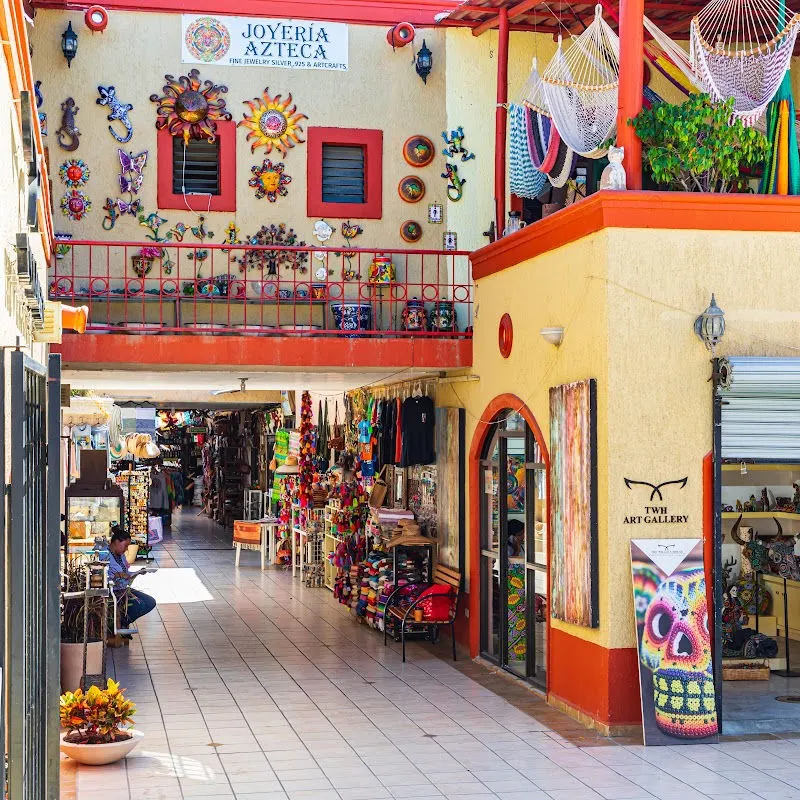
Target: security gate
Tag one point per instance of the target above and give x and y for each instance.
(31, 663)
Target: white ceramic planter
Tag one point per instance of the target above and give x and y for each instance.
(97, 754)
(72, 663)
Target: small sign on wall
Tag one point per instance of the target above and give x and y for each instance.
(260, 42)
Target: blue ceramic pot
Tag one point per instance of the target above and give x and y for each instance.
(352, 316)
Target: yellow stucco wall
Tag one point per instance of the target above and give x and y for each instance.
(627, 300)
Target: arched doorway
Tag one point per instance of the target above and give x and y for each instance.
(512, 538)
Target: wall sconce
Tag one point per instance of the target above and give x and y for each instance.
(69, 44)
(710, 325)
(553, 335)
(423, 62)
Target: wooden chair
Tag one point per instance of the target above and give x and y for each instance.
(404, 600)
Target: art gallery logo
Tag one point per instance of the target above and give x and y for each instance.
(207, 39)
(658, 515)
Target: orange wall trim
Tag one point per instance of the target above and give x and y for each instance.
(602, 684)
(278, 351)
(665, 210)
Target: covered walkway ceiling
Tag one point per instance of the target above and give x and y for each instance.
(561, 16)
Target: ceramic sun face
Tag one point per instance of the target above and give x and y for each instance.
(269, 180)
(74, 173)
(190, 108)
(273, 123)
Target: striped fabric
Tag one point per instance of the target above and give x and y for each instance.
(525, 179)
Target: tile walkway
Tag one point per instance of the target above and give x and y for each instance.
(251, 686)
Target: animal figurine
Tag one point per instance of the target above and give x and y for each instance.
(613, 176)
(455, 185)
(755, 560)
(455, 145)
(68, 134)
(108, 97)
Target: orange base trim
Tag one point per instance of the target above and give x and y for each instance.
(600, 683)
(172, 350)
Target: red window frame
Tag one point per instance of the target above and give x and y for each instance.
(372, 142)
(225, 200)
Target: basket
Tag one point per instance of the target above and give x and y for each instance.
(379, 489)
(745, 671)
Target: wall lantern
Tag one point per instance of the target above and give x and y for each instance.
(69, 44)
(423, 62)
(710, 325)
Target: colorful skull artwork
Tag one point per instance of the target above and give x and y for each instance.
(676, 647)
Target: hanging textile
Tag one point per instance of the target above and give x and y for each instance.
(525, 180)
(581, 87)
(782, 168)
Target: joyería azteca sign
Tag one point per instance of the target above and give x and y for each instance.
(255, 42)
(656, 510)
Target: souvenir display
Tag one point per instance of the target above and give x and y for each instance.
(269, 180)
(307, 450)
(142, 262)
(190, 108)
(231, 235)
(435, 213)
(349, 232)
(119, 111)
(68, 134)
(382, 270)
(352, 316)
(130, 178)
(414, 316)
(75, 205)
(411, 231)
(74, 173)
(418, 151)
(153, 223)
(443, 316)
(269, 261)
(455, 185)
(322, 231)
(273, 123)
(455, 145)
(200, 231)
(411, 189)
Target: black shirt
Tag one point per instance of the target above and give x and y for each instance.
(417, 419)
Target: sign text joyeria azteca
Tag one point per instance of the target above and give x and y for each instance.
(656, 511)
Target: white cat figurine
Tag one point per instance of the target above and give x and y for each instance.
(613, 176)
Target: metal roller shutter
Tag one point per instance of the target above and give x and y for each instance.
(761, 409)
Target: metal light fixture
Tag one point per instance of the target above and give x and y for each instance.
(710, 325)
(553, 335)
(69, 44)
(423, 62)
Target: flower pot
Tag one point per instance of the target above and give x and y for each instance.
(141, 265)
(97, 754)
(72, 663)
(352, 316)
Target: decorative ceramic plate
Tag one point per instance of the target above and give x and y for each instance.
(411, 189)
(418, 151)
(411, 231)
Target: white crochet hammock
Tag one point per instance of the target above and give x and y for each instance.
(581, 87)
(742, 49)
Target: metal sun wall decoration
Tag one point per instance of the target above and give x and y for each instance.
(269, 261)
(119, 111)
(69, 137)
(190, 108)
(455, 145)
(455, 185)
(74, 173)
(269, 180)
(273, 123)
(75, 205)
(130, 178)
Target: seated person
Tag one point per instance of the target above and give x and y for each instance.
(119, 573)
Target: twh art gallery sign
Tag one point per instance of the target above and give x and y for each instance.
(255, 42)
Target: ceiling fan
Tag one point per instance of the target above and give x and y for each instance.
(242, 388)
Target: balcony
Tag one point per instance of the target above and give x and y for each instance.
(177, 303)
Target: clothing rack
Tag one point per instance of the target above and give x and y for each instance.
(425, 384)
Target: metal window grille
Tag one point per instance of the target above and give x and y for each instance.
(195, 166)
(343, 174)
(30, 570)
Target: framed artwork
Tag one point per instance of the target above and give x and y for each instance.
(573, 452)
(676, 675)
(435, 213)
(400, 487)
(450, 432)
(450, 240)
(389, 478)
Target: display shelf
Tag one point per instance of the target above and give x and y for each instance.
(760, 515)
(737, 467)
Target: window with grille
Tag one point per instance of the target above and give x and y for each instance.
(343, 174)
(195, 166)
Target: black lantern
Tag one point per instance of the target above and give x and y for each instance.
(69, 44)
(423, 63)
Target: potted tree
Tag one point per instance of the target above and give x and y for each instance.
(98, 725)
(699, 146)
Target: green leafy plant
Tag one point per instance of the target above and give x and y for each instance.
(698, 146)
(99, 716)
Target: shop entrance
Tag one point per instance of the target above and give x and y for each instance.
(513, 557)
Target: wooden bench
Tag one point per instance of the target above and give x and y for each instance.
(405, 600)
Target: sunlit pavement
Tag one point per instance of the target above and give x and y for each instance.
(250, 685)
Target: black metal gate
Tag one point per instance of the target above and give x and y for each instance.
(31, 656)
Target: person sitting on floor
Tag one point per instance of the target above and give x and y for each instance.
(120, 574)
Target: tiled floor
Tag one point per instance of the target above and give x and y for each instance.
(251, 686)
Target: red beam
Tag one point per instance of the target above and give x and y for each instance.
(187, 350)
(631, 56)
(514, 13)
(501, 120)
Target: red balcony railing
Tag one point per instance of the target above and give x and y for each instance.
(185, 288)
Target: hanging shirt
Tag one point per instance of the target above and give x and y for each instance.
(82, 436)
(398, 433)
(418, 432)
(100, 437)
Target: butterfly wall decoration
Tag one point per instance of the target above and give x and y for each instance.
(131, 177)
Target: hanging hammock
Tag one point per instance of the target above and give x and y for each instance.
(524, 178)
(581, 87)
(782, 168)
(742, 49)
(671, 60)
